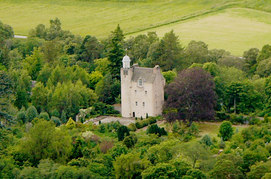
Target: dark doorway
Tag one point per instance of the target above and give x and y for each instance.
(147, 116)
(133, 114)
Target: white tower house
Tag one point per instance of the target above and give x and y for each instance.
(126, 62)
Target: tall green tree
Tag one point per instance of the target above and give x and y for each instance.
(116, 52)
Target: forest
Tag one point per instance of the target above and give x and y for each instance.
(54, 75)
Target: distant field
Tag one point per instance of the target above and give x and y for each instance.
(224, 24)
(235, 29)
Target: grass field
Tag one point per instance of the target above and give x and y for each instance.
(227, 24)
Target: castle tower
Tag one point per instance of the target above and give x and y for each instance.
(142, 90)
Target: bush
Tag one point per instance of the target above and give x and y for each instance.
(122, 132)
(31, 113)
(222, 116)
(254, 121)
(238, 119)
(130, 141)
(154, 129)
(226, 130)
(141, 124)
(102, 128)
(206, 140)
(56, 120)
(44, 115)
(152, 120)
(132, 127)
(105, 146)
(21, 117)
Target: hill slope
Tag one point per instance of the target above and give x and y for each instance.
(219, 23)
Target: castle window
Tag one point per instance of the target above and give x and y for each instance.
(143, 103)
(136, 103)
(140, 82)
(145, 92)
(135, 91)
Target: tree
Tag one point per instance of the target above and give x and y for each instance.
(90, 49)
(191, 96)
(265, 53)
(169, 76)
(225, 169)
(196, 52)
(33, 64)
(130, 165)
(196, 152)
(116, 52)
(250, 57)
(226, 130)
(161, 170)
(167, 52)
(39, 97)
(263, 68)
(259, 170)
(44, 141)
(31, 113)
(6, 32)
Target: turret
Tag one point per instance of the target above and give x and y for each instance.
(126, 62)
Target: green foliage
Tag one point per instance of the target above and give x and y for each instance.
(161, 170)
(21, 117)
(130, 165)
(116, 52)
(226, 130)
(33, 64)
(44, 115)
(71, 123)
(130, 141)
(56, 120)
(169, 76)
(122, 132)
(46, 143)
(154, 129)
(132, 127)
(206, 140)
(31, 113)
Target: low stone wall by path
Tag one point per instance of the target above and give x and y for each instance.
(108, 119)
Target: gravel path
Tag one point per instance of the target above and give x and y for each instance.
(108, 119)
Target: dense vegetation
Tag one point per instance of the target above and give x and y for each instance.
(53, 76)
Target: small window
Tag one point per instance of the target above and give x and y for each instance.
(135, 91)
(146, 92)
(136, 103)
(140, 82)
(143, 103)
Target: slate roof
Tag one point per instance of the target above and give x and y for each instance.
(144, 73)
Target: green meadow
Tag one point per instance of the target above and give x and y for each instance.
(234, 25)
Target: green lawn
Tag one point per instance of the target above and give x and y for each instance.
(212, 128)
(221, 23)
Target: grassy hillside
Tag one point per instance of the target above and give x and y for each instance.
(221, 23)
(235, 29)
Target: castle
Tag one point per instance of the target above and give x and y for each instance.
(142, 90)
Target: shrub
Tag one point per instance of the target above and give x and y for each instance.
(235, 119)
(102, 128)
(56, 120)
(44, 115)
(132, 127)
(226, 130)
(206, 140)
(122, 132)
(154, 129)
(152, 120)
(130, 141)
(31, 113)
(71, 123)
(222, 116)
(105, 146)
(21, 117)
(254, 121)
